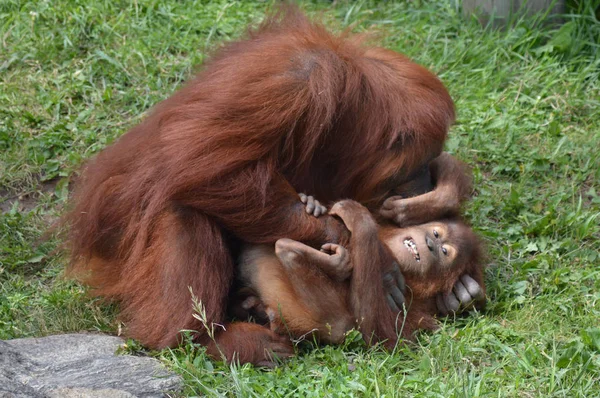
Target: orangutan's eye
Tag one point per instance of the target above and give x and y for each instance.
(435, 233)
(444, 251)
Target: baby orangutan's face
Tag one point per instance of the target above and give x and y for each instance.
(425, 247)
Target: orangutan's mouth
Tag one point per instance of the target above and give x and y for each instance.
(411, 246)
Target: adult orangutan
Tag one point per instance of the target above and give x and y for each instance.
(291, 108)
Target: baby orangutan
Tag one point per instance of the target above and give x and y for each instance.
(303, 290)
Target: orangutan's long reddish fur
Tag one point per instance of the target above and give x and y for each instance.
(290, 108)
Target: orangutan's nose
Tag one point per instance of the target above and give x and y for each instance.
(430, 243)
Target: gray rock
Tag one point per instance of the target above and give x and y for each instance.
(79, 365)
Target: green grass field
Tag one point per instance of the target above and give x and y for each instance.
(74, 75)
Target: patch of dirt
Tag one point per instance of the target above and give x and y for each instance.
(28, 200)
(585, 187)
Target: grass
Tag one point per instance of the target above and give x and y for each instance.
(74, 75)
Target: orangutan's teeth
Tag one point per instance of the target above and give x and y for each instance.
(412, 247)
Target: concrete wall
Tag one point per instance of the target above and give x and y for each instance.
(503, 10)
